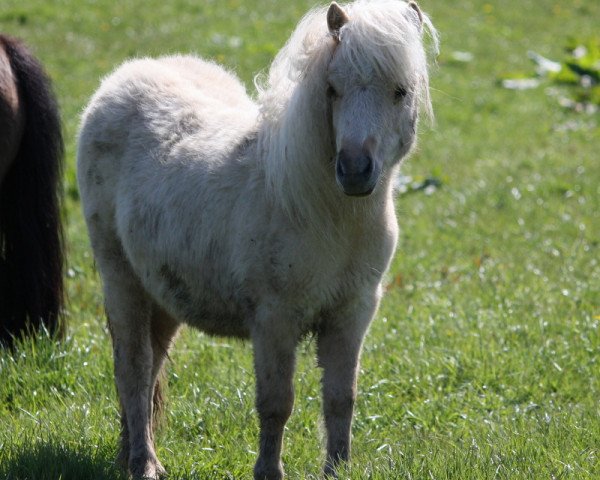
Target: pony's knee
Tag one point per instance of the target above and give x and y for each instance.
(340, 405)
(277, 409)
(274, 398)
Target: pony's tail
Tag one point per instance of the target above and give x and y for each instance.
(158, 400)
(31, 236)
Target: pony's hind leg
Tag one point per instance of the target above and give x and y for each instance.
(129, 311)
(163, 330)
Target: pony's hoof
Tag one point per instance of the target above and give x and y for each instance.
(122, 460)
(330, 472)
(146, 469)
(264, 471)
(160, 471)
(330, 469)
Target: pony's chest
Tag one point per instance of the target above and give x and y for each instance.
(324, 273)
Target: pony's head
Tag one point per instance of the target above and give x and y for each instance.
(375, 82)
(347, 86)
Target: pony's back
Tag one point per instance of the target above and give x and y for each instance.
(157, 116)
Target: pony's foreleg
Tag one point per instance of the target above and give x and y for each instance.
(338, 349)
(129, 312)
(274, 362)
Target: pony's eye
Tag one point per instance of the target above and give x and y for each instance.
(331, 91)
(399, 93)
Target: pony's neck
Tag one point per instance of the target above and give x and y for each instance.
(299, 150)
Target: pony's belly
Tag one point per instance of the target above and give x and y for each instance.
(220, 322)
(202, 307)
(212, 319)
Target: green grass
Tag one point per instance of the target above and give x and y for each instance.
(483, 360)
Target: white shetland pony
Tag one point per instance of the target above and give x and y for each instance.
(266, 219)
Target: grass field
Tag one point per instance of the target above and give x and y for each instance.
(483, 361)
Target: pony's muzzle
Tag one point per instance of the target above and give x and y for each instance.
(355, 172)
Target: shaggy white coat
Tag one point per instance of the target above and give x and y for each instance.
(208, 208)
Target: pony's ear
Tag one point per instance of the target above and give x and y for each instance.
(417, 10)
(336, 19)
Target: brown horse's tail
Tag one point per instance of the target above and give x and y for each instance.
(31, 237)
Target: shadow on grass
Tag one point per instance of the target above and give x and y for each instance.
(50, 461)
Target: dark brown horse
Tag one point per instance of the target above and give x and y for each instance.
(31, 155)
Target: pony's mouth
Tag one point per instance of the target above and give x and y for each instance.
(358, 193)
(356, 182)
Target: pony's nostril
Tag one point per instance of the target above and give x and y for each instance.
(355, 166)
(339, 166)
(368, 166)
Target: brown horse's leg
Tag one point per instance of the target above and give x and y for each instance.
(11, 115)
(31, 156)
(11, 129)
